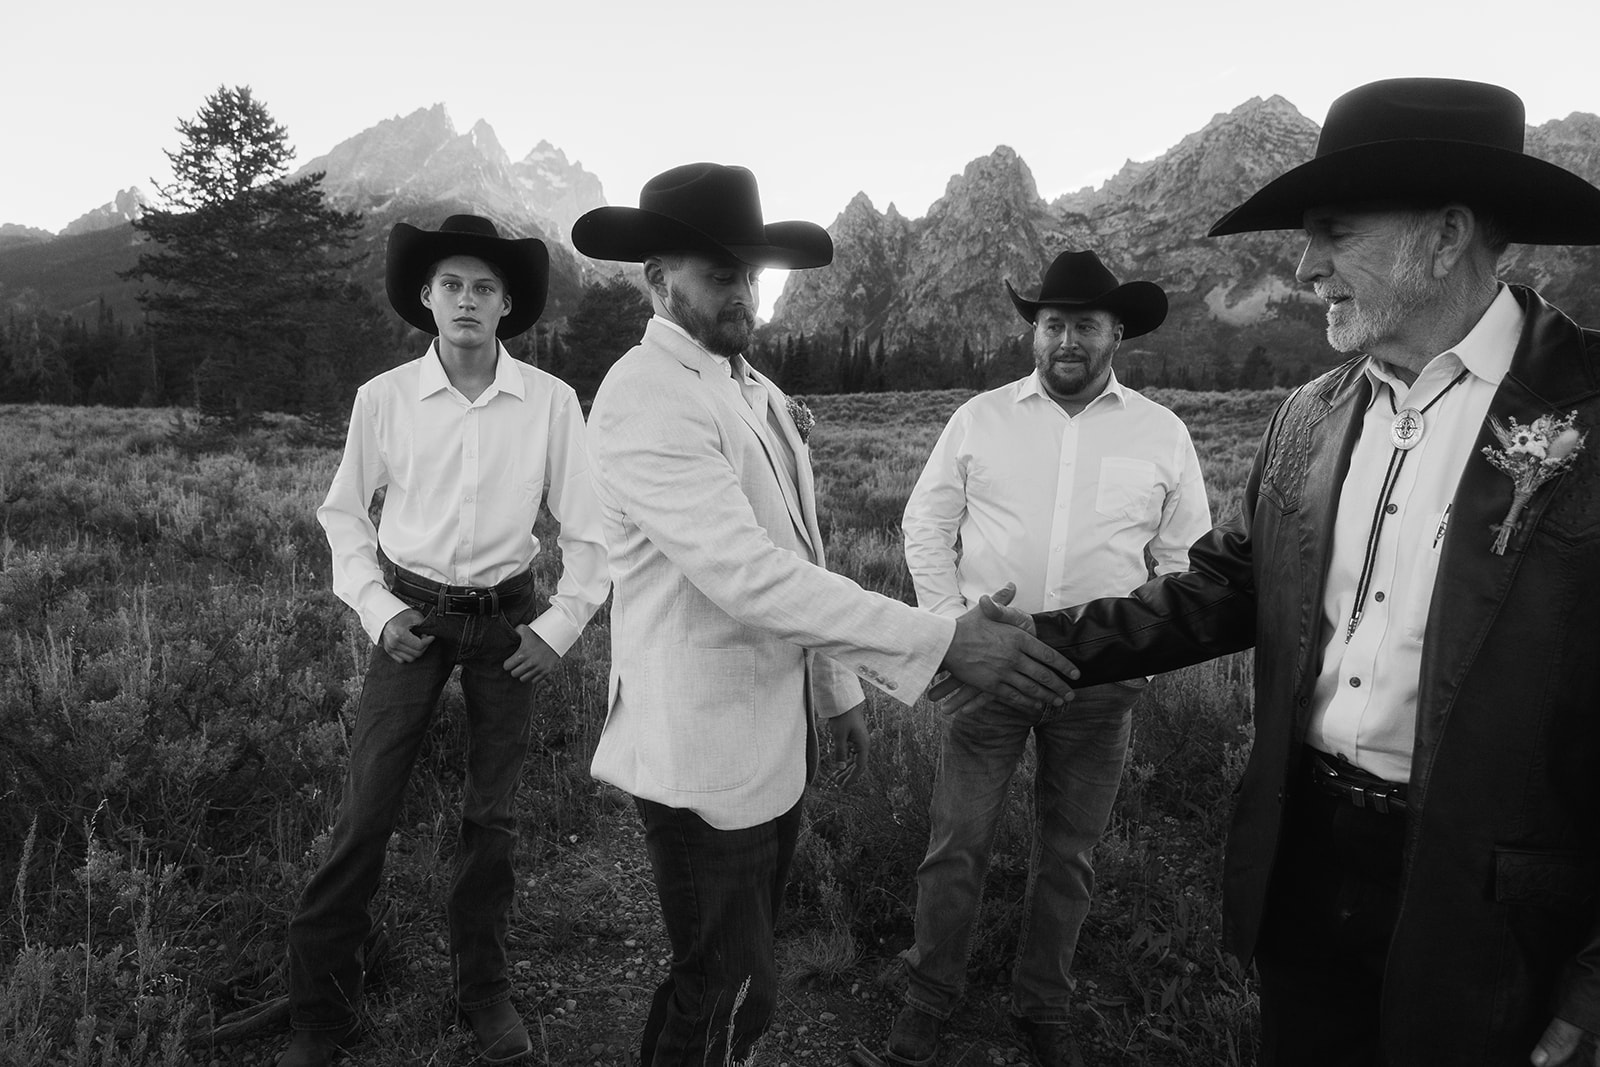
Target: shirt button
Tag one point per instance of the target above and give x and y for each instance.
(1390, 509)
(1378, 596)
(1355, 683)
(467, 500)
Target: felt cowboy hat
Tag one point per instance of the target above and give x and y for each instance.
(525, 262)
(1431, 140)
(1079, 280)
(701, 207)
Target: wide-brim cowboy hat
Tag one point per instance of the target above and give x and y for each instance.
(1429, 140)
(524, 261)
(1079, 280)
(701, 207)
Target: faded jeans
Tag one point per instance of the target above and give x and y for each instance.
(398, 700)
(1080, 751)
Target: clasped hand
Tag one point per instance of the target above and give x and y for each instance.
(995, 655)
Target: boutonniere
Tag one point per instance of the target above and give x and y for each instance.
(1530, 455)
(802, 418)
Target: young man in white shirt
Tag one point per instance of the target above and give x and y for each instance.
(466, 441)
(1061, 482)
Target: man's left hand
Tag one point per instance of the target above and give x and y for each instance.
(1562, 1045)
(533, 661)
(849, 746)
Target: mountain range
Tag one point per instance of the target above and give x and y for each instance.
(942, 275)
(937, 278)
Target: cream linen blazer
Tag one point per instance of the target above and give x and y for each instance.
(722, 627)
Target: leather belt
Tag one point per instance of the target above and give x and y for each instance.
(1349, 782)
(460, 599)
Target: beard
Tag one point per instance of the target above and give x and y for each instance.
(1357, 326)
(726, 333)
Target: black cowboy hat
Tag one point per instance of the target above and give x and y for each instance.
(1429, 140)
(701, 207)
(1079, 280)
(525, 262)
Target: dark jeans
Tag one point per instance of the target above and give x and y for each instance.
(1080, 751)
(720, 892)
(1330, 916)
(398, 700)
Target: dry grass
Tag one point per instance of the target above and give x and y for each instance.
(176, 690)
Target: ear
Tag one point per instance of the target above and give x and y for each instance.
(655, 276)
(1456, 227)
(427, 295)
(506, 310)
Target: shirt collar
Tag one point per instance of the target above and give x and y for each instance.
(1485, 351)
(506, 379)
(723, 363)
(1032, 386)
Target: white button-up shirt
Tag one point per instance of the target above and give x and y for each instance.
(1365, 701)
(1064, 505)
(465, 479)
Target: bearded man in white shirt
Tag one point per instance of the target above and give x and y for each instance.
(728, 635)
(466, 441)
(1063, 482)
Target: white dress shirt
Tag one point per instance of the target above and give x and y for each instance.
(1365, 701)
(1063, 505)
(465, 479)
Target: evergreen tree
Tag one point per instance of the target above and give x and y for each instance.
(610, 320)
(249, 270)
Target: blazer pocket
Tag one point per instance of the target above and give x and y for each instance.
(1545, 878)
(701, 702)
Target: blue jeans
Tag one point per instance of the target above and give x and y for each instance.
(720, 892)
(1080, 750)
(398, 700)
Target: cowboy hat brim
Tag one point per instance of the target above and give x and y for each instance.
(1537, 202)
(525, 262)
(1140, 306)
(632, 235)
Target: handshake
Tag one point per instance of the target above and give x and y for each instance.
(995, 656)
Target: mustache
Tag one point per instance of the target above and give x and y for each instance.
(744, 315)
(1327, 293)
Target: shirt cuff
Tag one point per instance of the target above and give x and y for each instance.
(555, 630)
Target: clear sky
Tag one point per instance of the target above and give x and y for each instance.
(821, 98)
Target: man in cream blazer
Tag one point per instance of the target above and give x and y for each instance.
(728, 634)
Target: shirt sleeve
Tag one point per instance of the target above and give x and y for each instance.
(1186, 513)
(353, 539)
(585, 581)
(932, 521)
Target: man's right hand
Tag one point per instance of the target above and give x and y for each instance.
(1003, 659)
(399, 642)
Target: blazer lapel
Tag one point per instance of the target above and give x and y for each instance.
(805, 483)
(1548, 375)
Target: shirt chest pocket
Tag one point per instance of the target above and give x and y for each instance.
(1126, 490)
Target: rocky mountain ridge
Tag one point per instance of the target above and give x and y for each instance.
(938, 280)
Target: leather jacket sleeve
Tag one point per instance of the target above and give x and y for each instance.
(1173, 620)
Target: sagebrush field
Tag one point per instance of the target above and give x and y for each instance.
(176, 689)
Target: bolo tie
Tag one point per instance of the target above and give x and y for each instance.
(1405, 433)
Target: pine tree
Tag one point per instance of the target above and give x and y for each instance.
(250, 271)
(610, 320)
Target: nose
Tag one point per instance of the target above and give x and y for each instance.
(467, 299)
(1313, 263)
(745, 289)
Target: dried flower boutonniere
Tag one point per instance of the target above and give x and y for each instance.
(802, 417)
(1531, 455)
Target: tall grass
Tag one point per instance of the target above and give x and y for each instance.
(177, 688)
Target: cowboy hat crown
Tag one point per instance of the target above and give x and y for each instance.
(525, 263)
(1079, 280)
(701, 207)
(1429, 140)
